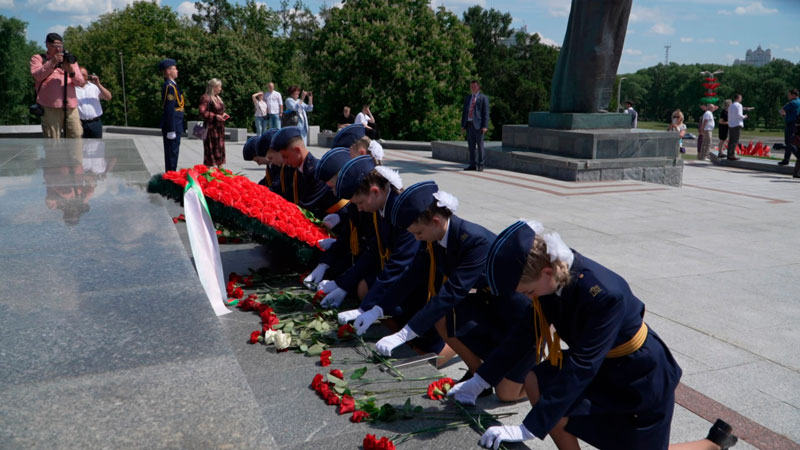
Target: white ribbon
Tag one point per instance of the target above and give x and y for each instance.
(446, 200)
(557, 249)
(376, 150)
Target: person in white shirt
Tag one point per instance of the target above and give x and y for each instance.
(274, 107)
(260, 113)
(366, 118)
(89, 108)
(707, 125)
(736, 118)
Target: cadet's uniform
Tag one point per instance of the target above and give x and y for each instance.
(617, 380)
(348, 135)
(172, 103)
(306, 190)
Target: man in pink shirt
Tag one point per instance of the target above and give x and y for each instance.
(48, 73)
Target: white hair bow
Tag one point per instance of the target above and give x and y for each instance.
(392, 175)
(376, 150)
(446, 200)
(557, 249)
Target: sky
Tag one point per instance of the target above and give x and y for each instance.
(697, 31)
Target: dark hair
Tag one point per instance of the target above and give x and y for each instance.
(735, 96)
(433, 209)
(475, 81)
(293, 141)
(794, 92)
(629, 102)
(293, 88)
(52, 37)
(374, 178)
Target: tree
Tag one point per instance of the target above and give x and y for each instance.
(410, 63)
(16, 83)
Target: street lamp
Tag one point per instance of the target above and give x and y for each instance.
(124, 99)
(619, 93)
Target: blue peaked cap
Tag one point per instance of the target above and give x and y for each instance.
(249, 149)
(349, 134)
(331, 163)
(166, 64)
(412, 202)
(507, 257)
(265, 141)
(352, 174)
(281, 139)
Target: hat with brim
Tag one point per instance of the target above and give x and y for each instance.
(331, 163)
(352, 174)
(507, 257)
(349, 134)
(412, 202)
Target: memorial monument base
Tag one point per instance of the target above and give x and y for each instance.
(578, 121)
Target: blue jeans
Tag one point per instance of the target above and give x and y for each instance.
(274, 121)
(261, 125)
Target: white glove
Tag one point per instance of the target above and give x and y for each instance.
(325, 244)
(365, 320)
(171, 135)
(334, 299)
(509, 433)
(389, 343)
(316, 275)
(331, 220)
(328, 286)
(467, 392)
(347, 316)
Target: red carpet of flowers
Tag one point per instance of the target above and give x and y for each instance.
(252, 200)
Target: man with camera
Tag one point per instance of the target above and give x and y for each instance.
(56, 74)
(89, 108)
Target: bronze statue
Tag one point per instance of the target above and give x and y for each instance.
(588, 61)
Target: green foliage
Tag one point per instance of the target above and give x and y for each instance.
(661, 89)
(409, 63)
(17, 90)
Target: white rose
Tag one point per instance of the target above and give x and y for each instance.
(282, 340)
(269, 336)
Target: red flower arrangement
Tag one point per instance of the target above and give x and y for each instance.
(325, 358)
(372, 443)
(439, 388)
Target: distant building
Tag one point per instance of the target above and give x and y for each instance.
(757, 57)
(511, 40)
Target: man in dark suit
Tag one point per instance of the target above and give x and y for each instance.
(475, 121)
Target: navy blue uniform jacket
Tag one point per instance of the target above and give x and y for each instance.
(594, 313)
(172, 99)
(313, 194)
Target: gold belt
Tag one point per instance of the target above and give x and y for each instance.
(635, 343)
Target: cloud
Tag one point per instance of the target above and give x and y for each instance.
(630, 51)
(79, 9)
(6, 4)
(724, 12)
(755, 8)
(57, 29)
(687, 39)
(455, 5)
(548, 41)
(795, 49)
(662, 28)
(706, 40)
(643, 14)
(186, 9)
(733, 42)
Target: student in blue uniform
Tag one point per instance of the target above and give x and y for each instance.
(374, 189)
(614, 387)
(307, 191)
(476, 326)
(172, 104)
(348, 135)
(366, 146)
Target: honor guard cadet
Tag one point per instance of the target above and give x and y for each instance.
(614, 386)
(307, 191)
(468, 323)
(366, 146)
(353, 230)
(172, 104)
(348, 135)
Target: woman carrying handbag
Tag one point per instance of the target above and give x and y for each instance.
(212, 111)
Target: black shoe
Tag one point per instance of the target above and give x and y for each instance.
(733, 158)
(783, 163)
(471, 168)
(796, 176)
(480, 168)
(720, 434)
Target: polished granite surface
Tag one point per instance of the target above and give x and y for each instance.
(106, 338)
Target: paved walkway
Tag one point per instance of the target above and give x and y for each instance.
(715, 262)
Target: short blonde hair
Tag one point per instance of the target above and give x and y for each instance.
(538, 259)
(679, 114)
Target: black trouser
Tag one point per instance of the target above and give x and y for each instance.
(92, 128)
(372, 131)
(477, 152)
(733, 140)
(788, 136)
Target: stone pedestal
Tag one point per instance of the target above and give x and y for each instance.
(578, 121)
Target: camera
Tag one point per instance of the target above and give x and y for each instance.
(69, 58)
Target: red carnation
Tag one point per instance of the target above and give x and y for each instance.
(317, 297)
(358, 416)
(247, 304)
(323, 389)
(316, 381)
(234, 277)
(230, 287)
(345, 330)
(337, 373)
(238, 292)
(325, 358)
(332, 398)
(385, 444)
(268, 319)
(248, 281)
(439, 388)
(174, 220)
(370, 442)
(347, 405)
(254, 336)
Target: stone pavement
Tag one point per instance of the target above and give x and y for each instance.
(713, 261)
